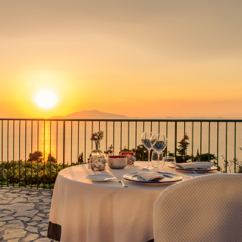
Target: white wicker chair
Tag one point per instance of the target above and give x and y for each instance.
(204, 209)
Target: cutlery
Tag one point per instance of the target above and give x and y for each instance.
(119, 179)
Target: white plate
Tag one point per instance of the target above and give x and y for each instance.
(169, 178)
(100, 178)
(213, 168)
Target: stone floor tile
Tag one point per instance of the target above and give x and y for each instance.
(33, 223)
(34, 200)
(7, 218)
(31, 237)
(13, 233)
(18, 199)
(47, 200)
(31, 229)
(12, 195)
(43, 233)
(49, 193)
(2, 223)
(43, 240)
(42, 225)
(37, 218)
(28, 213)
(15, 224)
(7, 211)
(23, 218)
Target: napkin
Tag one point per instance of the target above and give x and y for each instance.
(150, 175)
(195, 165)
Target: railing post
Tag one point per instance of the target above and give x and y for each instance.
(38, 156)
(31, 141)
(56, 147)
(25, 180)
(235, 159)
(64, 131)
(175, 138)
(192, 138)
(85, 140)
(71, 143)
(217, 142)
(13, 153)
(135, 138)
(7, 151)
(19, 135)
(50, 164)
(226, 147)
(208, 141)
(201, 139)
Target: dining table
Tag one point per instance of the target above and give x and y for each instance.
(103, 211)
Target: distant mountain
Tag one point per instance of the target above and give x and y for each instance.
(90, 114)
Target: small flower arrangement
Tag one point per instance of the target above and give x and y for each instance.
(109, 151)
(97, 135)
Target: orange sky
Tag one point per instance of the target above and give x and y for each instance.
(136, 58)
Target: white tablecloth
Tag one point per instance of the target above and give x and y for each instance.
(82, 210)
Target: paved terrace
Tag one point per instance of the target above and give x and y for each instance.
(24, 214)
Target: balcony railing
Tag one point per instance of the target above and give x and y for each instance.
(66, 142)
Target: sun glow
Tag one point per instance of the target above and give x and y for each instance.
(46, 99)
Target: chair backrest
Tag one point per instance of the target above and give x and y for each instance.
(203, 209)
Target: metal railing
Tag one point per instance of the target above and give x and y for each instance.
(66, 142)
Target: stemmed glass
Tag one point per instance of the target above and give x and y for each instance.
(159, 145)
(147, 139)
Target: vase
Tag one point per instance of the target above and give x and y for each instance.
(96, 151)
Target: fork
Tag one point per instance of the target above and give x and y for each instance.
(119, 179)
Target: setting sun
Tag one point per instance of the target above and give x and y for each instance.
(46, 99)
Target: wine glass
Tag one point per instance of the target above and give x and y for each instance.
(159, 144)
(148, 141)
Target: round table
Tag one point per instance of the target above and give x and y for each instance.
(82, 210)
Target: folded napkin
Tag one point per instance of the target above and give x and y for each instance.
(195, 165)
(150, 175)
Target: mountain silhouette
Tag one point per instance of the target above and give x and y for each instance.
(90, 114)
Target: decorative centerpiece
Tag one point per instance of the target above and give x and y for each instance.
(96, 137)
(130, 157)
(117, 162)
(97, 162)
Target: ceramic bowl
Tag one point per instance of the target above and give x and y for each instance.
(117, 162)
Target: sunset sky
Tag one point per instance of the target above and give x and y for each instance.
(139, 58)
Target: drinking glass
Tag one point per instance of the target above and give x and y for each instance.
(155, 160)
(148, 140)
(159, 144)
(170, 164)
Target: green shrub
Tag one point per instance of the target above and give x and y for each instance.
(30, 173)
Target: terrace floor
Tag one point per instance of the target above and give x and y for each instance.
(24, 214)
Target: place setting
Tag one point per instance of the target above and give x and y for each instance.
(159, 170)
(199, 166)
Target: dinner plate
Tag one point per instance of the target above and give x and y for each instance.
(213, 168)
(169, 178)
(100, 178)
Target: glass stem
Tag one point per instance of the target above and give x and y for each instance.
(148, 158)
(160, 164)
